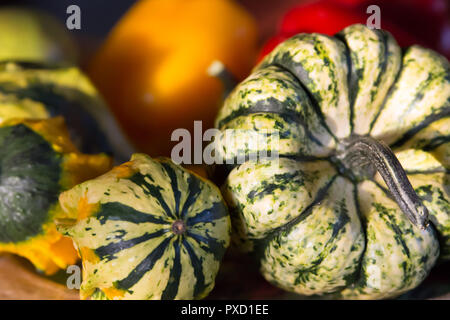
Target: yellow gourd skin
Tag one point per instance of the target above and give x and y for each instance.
(152, 69)
(48, 250)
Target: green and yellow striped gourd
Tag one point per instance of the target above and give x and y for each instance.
(38, 91)
(148, 229)
(357, 201)
(37, 162)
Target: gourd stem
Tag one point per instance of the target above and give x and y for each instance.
(218, 69)
(178, 227)
(359, 151)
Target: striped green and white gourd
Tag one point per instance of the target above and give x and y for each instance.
(319, 217)
(148, 229)
(38, 91)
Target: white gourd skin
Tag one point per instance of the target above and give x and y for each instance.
(320, 223)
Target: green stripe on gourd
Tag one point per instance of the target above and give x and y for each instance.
(272, 193)
(321, 251)
(430, 137)
(288, 211)
(433, 189)
(147, 230)
(399, 264)
(319, 62)
(420, 96)
(34, 91)
(262, 135)
(376, 60)
(272, 90)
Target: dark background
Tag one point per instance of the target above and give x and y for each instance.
(99, 16)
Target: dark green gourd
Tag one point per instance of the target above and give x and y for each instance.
(37, 162)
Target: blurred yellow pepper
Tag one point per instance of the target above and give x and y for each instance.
(152, 69)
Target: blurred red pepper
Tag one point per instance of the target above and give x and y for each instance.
(424, 22)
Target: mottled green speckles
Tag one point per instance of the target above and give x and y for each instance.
(315, 232)
(433, 189)
(256, 188)
(260, 135)
(420, 94)
(315, 254)
(320, 64)
(276, 95)
(379, 253)
(376, 60)
(402, 264)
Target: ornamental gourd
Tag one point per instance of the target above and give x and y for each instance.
(148, 229)
(35, 36)
(38, 91)
(357, 201)
(37, 162)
